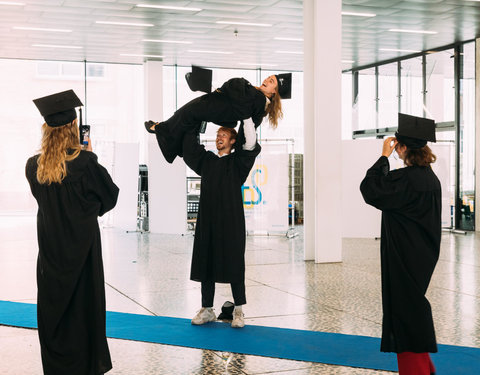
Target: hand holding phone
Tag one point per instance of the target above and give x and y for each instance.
(84, 133)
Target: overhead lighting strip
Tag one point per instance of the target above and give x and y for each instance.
(168, 7)
(413, 31)
(398, 50)
(358, 14)
(55, 46)
(291, 52)
(244, 23)
(214, 52)
(255, 64)
(166, 41)
(289, 39)
(41, 29)
(136, 55)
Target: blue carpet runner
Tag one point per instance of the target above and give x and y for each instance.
(300, 345)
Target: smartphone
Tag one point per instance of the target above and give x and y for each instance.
(84, 133)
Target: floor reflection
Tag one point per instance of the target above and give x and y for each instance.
(149, 274)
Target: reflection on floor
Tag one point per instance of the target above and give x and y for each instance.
(149, 274)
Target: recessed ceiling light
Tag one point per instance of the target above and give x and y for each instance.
(135, 55)
(291, 52)
(289, 39)
(413, 31)
(11, 3)
(256, 64)
(244, 23)
(358, 14)
(166, 41)
(348, 61)
(41, 29)
(124, 23)
(55, 46)
(168, 7)
(398, 50)
(217, 52)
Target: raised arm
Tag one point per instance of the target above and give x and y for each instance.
(193, 152)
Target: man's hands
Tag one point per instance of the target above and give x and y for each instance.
(388, 146)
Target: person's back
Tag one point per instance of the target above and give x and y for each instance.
(410, 201)
(71, 190)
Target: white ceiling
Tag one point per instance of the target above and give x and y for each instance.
(363, 37)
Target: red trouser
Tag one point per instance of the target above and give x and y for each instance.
(415, 364)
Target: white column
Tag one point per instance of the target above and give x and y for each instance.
(477, 134)
(167, 195)
(322, 121)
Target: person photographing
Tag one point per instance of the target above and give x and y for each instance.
(410, 200)
(72, 189)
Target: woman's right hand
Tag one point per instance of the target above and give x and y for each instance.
(88, 146)
(388, 146)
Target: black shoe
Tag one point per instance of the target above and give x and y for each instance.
(149, 124)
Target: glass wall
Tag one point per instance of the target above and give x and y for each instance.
(20, 122)
(365, 103)
(114, 109)
(440, 105)
(412, 87)
(466, 152)
(439, 85)
(387, 95)
(440, 94)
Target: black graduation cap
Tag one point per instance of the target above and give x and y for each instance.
(414, 132)
(284, 85)
(58, 109)
(199, 79)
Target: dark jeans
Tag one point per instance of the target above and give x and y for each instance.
(208, 292)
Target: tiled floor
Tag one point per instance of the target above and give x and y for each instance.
(149, 274)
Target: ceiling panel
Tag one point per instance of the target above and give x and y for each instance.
(363, 37)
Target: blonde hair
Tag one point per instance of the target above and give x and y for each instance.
(274, 110)
(56, 142)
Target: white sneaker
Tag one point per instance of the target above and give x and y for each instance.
(204, 315)
(238, 321)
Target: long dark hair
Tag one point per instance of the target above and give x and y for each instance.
(419, 157)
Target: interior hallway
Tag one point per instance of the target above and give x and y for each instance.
(149, 274)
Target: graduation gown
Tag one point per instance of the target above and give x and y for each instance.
(236, 100)
(219, 245)
(410, 200)
(70, 279)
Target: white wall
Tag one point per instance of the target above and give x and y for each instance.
(358, 218)
(125, 175)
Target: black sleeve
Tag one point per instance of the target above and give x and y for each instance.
(100, 185)
(194, 153)
(244, 161)
(383, 189)
(31, 172)
(258, 108)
